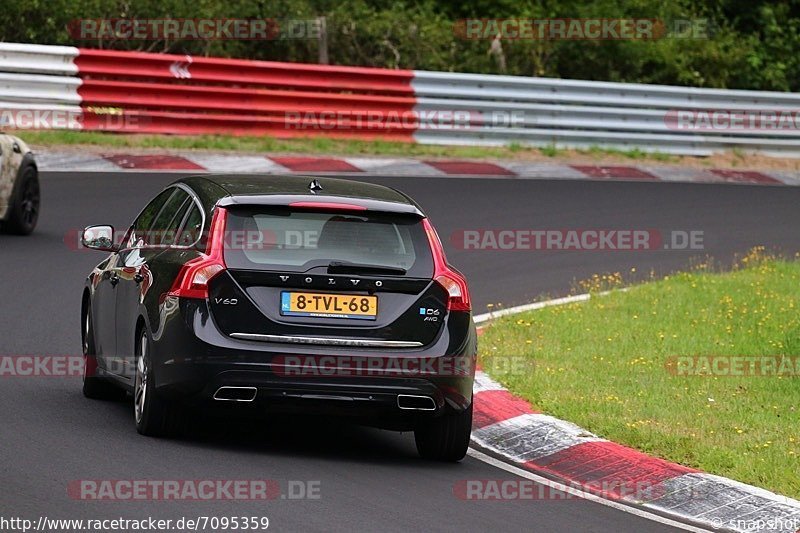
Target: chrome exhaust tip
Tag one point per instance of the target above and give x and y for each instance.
(235, 394)
(416, 403)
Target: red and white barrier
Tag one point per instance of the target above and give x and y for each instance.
(163, 93)
(136, 92)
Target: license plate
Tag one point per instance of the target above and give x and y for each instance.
(321, 305)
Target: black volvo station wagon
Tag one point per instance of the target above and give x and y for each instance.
(283, 294)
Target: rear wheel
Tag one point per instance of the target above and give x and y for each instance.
(155, 416)
(94, 387)
(445, 438)
(24, 212)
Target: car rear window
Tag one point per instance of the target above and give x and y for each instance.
(282, 239)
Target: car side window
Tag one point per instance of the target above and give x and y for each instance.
(137, 236)
(166, 235)
(162, 222)
(192, 227)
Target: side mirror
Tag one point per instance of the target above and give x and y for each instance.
(99, 238)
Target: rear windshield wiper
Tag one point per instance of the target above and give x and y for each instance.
(343, 267)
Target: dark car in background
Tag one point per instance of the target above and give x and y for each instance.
(283, 294)
(20, 196)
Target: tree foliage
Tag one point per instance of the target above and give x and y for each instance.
(751, 44)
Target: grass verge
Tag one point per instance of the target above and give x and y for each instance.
(321, 145)
(608, 365)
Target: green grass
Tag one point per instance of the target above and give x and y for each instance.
(549, 151)
(634, 153)
(603, 365)
(311, 145)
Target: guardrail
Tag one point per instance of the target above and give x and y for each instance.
(164, 93)
(38, 58)
(583, 114)
(109, 64)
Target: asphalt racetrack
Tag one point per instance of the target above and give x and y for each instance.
(368, 480)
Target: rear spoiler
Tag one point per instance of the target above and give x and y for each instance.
(322, 203)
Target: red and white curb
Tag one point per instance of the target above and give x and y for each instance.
(56, 161)
(509, 428)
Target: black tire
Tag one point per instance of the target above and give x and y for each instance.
(154, 416)
(94, 387)
(445, 438)
(24, 211)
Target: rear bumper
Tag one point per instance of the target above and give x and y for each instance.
(372, 400)
(192, 360)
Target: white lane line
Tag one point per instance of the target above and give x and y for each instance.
(534, 306)
(475, 454)
(486, 317)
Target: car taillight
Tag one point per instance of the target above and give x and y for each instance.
(448, 277)
(194, 276)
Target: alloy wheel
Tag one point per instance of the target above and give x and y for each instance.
(140, 386)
